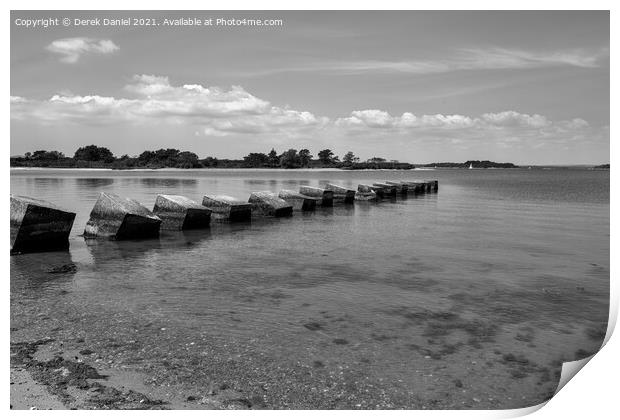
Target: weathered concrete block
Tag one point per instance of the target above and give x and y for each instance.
(388, 190)
(180, 213)
(434, 184)
(365, 194)
(401, 187)
(299, 201)
(268, 203)
(38, 225)
(416, 187)
(429, 186)
(224, 207)
(365, 189)
(341, 194)
(325, 196)
(119, 218)
(426, 186)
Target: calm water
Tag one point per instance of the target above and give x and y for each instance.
(470, 297)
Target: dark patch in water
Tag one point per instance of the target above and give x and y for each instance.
(597, 333)
(443, 323)
(340, 341)
(521, 367)
(582, 354)
(314, 326)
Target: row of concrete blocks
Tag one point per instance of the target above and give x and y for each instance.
(38, 225)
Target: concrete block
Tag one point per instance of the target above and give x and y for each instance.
(120, 218)
(227, 208)
(38, 225)
(181, 213)
(325, 196)
(341, 194)
(268, 203)
(300, 202)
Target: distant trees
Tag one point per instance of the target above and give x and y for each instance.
(94, 153)
(305, 157)
(326, 156)
(187, 160)
(93, 156)
(210, 162)
(42, 158)
(45, 155)
(290, 159)
(170, 158)
(256, 160)
(273, 158)
(349, 159)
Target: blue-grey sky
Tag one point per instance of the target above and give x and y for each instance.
(525, 87)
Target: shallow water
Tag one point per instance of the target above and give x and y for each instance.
(469, 297)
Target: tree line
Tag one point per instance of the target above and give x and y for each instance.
(93, 156)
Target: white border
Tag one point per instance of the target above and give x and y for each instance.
(593, 394)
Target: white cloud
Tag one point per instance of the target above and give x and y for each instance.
(513, 118)
(218, 112)
(215, 112)
(376, 119)
(71, 49)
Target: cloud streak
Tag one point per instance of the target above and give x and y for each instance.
(464, 59)
(71, 50)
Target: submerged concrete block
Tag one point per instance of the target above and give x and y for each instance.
(38, 225)
(119, 218)
(180, 213)
(325, 196)
(388, 190)
(300, 202)
(268, 203)
(224, 207)
(341, 194)
(366, 189)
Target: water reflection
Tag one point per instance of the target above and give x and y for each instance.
(186, 239)
(105, 252)
(46, 182)
(89, 183)
(261, 182)
(165, 182)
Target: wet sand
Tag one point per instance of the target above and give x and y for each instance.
(64, 359)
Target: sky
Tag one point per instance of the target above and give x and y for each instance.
(414, 86)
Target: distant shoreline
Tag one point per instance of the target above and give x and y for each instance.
(215, 169)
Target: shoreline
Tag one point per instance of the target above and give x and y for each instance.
(40, 168)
